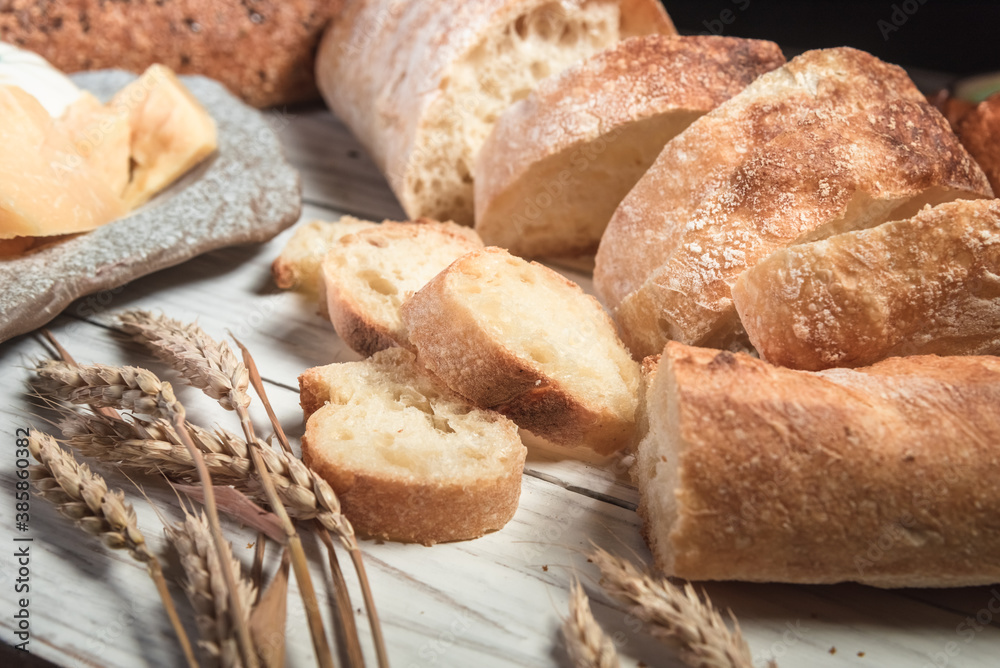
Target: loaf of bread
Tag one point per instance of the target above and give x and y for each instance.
(518, 338)
(558, 163)
(298, 266)
(368, 274)
(818, 179)
(409, 459)
(823, 84)
(979, 130)
(879, 475)
(925, 285)
(262, 51)
(421, 83)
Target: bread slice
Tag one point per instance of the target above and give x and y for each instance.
(979, 131)
(824, 85)
(367, 275)
(421, 83)
(878, 475)
(519, 338)
(557, 163)
(297, 268)
(409, 459)
(819, 179)
(925, 285)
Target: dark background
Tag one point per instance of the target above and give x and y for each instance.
(961, 38)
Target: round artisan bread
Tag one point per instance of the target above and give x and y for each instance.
(523, 340)
(409, 459)
(557, 164)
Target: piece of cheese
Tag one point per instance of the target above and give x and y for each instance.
(171, 131)
(46, 186)
(32, 73)
(102, 137)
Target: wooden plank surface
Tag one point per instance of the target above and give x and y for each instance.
(495, 601)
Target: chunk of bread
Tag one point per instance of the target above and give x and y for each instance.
(298, 266)
(759, 473)
(521, 339)
(421, 83)
(409, 459)
(819, 179)
(557, 163)
(979, 130)
(368, 274)
(824, 84)
(925, 285)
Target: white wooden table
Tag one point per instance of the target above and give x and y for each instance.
(496, 601)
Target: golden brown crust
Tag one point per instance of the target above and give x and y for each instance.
(262, 51)
(876, 475)
(979, 130)
(925, 285)
(813, 181)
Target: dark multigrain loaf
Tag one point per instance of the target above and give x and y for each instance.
(262, 50)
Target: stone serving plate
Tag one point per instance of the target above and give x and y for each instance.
(245, 192)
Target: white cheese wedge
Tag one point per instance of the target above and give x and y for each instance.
(35, 76)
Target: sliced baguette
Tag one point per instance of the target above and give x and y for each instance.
(824, 84)
(925, 285)
(557, 163)
(519, 338)
(421, 83)
(298, 266)
(819, 179)
(409, 459)
(367, 275)
(877, 475)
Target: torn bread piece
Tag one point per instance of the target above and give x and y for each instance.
(923, 285)
(368, 274)
(558, 163)
(409, 459)
(297, 268)
(758, 473)
(521, 339)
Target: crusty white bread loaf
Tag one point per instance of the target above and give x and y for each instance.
(924, 285)
(979, 131)
(521, 339)
(421, 83)
(409, 459)
(557, 163)
(367, 276)
(823, 84)
(299, 263)
(811, 182)
(878, 475)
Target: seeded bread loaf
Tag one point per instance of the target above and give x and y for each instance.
(421, 83)
(557, 163)
(519, 338)
(409, 459)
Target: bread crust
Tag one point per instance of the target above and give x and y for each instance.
(815, 180)
(877, 475)
(979, 130)
(639, 79)
(262, 52)
(382, 66)
(925, 285)
(481, 366)
(823, 84)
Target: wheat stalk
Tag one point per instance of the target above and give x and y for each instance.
(84, 497)
(139, 390)
(587, 644)
(205, 587)
(675, 613)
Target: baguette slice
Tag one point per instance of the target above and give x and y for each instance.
(979, 130)
(519, 338)
(824, 84)
(557, 163)
(925, 285)
(298, 266)
(367, 275)
(878, 475)
(819, 179)
(421, 83)
(409, 459)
